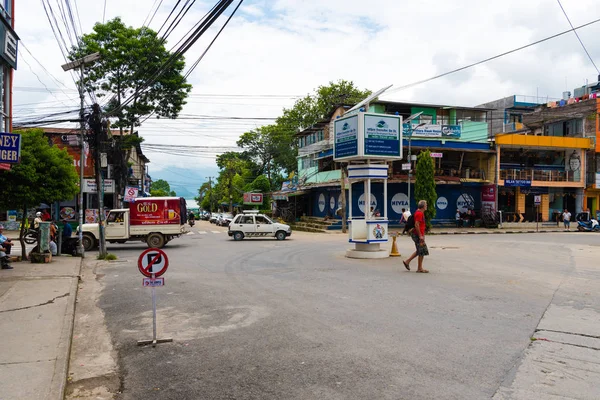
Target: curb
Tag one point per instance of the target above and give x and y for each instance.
(58, 384)
(497, 232)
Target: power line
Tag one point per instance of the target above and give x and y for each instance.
(491, 58)
(578, 38)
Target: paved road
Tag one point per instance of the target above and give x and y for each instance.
(262, 319)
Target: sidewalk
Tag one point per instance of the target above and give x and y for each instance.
(37, 305)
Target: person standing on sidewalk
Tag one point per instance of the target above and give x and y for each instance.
(405, 216)
(567, 220)
(5, 245)
(418, 236)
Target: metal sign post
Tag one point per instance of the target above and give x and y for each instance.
(153, 263)
(537, 201)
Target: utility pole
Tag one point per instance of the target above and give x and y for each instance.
(210, 193)
(343, 206)
(410, 131)
(80, 63)
(97, 127)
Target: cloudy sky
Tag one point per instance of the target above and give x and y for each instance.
(272, 52)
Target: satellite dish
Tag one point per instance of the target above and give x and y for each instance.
(369, 99)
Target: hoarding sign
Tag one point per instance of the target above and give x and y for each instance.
(382, 135)
(155, 212)
(517, 182)
(345, 137)
(10, 148)
(433, 131)
(253, 198)
(89, 186)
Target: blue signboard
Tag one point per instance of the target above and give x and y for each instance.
(346, 137)
(10, 148)
(382, 135)
(517, 183)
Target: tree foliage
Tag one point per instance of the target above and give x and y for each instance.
(161, 188)
(45, 174)
(129, 65)
(425, 185)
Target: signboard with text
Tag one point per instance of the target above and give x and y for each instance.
(517, 182)
(10, 148)
(433, 131)
(368, 135)
(89, 186)
(253, 198)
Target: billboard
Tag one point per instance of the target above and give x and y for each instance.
(253, 198)
(10, 148)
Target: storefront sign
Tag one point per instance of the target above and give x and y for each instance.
(11, 215)
(436, 155)
(10, 147)
(382, 135)
(488, 199)
(253, 198)
(89, 186)
(346, 137)
(9, 42)
(433, 131)
(517, 182)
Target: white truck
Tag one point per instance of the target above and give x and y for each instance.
(153, 220)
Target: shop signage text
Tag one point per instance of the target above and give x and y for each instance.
(10, 148)
(89, 186)
(517, 182)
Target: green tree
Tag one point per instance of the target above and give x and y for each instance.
(202, 193)
(140, 77)
(45, 174)
(425, 185)
(161, 188)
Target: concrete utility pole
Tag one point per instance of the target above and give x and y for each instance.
(343, 206)
(80, 63)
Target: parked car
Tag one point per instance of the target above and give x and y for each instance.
(205, 216)
(213, 218)
(225, 219)
(252, 224)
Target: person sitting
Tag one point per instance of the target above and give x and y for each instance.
(67, 230)
(5, 245)
(458, 218)
(53, 247)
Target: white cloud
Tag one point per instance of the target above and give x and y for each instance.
(287, 47)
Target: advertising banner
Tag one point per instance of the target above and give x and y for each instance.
(10, 148)
(488, 199)
(433, 131)
(155, 212)
(345, 143)
(253, 198)
(382, 135)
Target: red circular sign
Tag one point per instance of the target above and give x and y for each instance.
(153, 262)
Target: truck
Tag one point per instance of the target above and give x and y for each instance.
(152, 220)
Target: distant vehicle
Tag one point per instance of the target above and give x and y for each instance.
(153, 220)
(213, 218)
(252, 224)
(588, 226)
(225, 219)
(205, 216)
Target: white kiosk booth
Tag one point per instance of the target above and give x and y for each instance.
(367, 141)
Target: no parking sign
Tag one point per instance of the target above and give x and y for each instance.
(153, 263)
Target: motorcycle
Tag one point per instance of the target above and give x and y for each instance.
(588, 226)
(191, 222)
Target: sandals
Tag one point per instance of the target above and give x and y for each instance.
(423, 271)
(406, 265)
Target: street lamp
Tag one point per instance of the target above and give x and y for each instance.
(410, 131)
(80, 63)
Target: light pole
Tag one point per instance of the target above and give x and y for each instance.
(410, 131)
(67, 67)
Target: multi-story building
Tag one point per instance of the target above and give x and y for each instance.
(549, 158)
(459, 135)
(8, 63)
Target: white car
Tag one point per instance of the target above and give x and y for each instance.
(252, 224)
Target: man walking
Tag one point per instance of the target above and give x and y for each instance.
(418, 236)
(567, 220)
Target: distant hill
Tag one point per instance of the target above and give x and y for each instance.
(185, 181)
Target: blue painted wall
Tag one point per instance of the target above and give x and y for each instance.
(455, 196)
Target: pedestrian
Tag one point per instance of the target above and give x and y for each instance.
(372, 212)
(458, 218)
(67, 230)
(37, 220)
(5, 245)
(53, 230)
(46, 215)
(567, 219)
(418, 236)
(471, 214)
(405, 215)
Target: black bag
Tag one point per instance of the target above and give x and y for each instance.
(410, 223)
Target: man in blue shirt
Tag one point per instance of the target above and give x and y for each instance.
(5, 245)
(67, 230)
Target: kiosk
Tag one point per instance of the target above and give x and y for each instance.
(367, 141)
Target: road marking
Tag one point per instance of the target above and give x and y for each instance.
(202, 232)
(216, 231)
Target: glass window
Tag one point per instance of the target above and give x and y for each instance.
(262, 220)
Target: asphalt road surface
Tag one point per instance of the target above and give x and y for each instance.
(295, 319)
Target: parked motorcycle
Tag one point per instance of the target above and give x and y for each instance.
(588, 226)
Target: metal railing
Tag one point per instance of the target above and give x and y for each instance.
(538, 175)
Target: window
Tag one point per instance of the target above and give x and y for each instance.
(246, 219)
(262, 220)
(115, 217)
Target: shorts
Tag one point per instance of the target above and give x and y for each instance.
(422, 249)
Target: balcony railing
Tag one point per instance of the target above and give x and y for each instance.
(539, 175)
(467, 173)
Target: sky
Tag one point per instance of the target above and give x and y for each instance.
(273, 52)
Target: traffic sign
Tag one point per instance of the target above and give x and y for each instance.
(153, 262)
(436, 155)
(406, 167)
(149, 282)
(537, 200)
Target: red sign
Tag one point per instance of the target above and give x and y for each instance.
(488, 193)
(75, 152)
(5, 166)
(155, 211)
(253, 198)
(153, 262)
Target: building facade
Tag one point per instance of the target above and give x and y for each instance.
(465, 166)
(9, 42)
